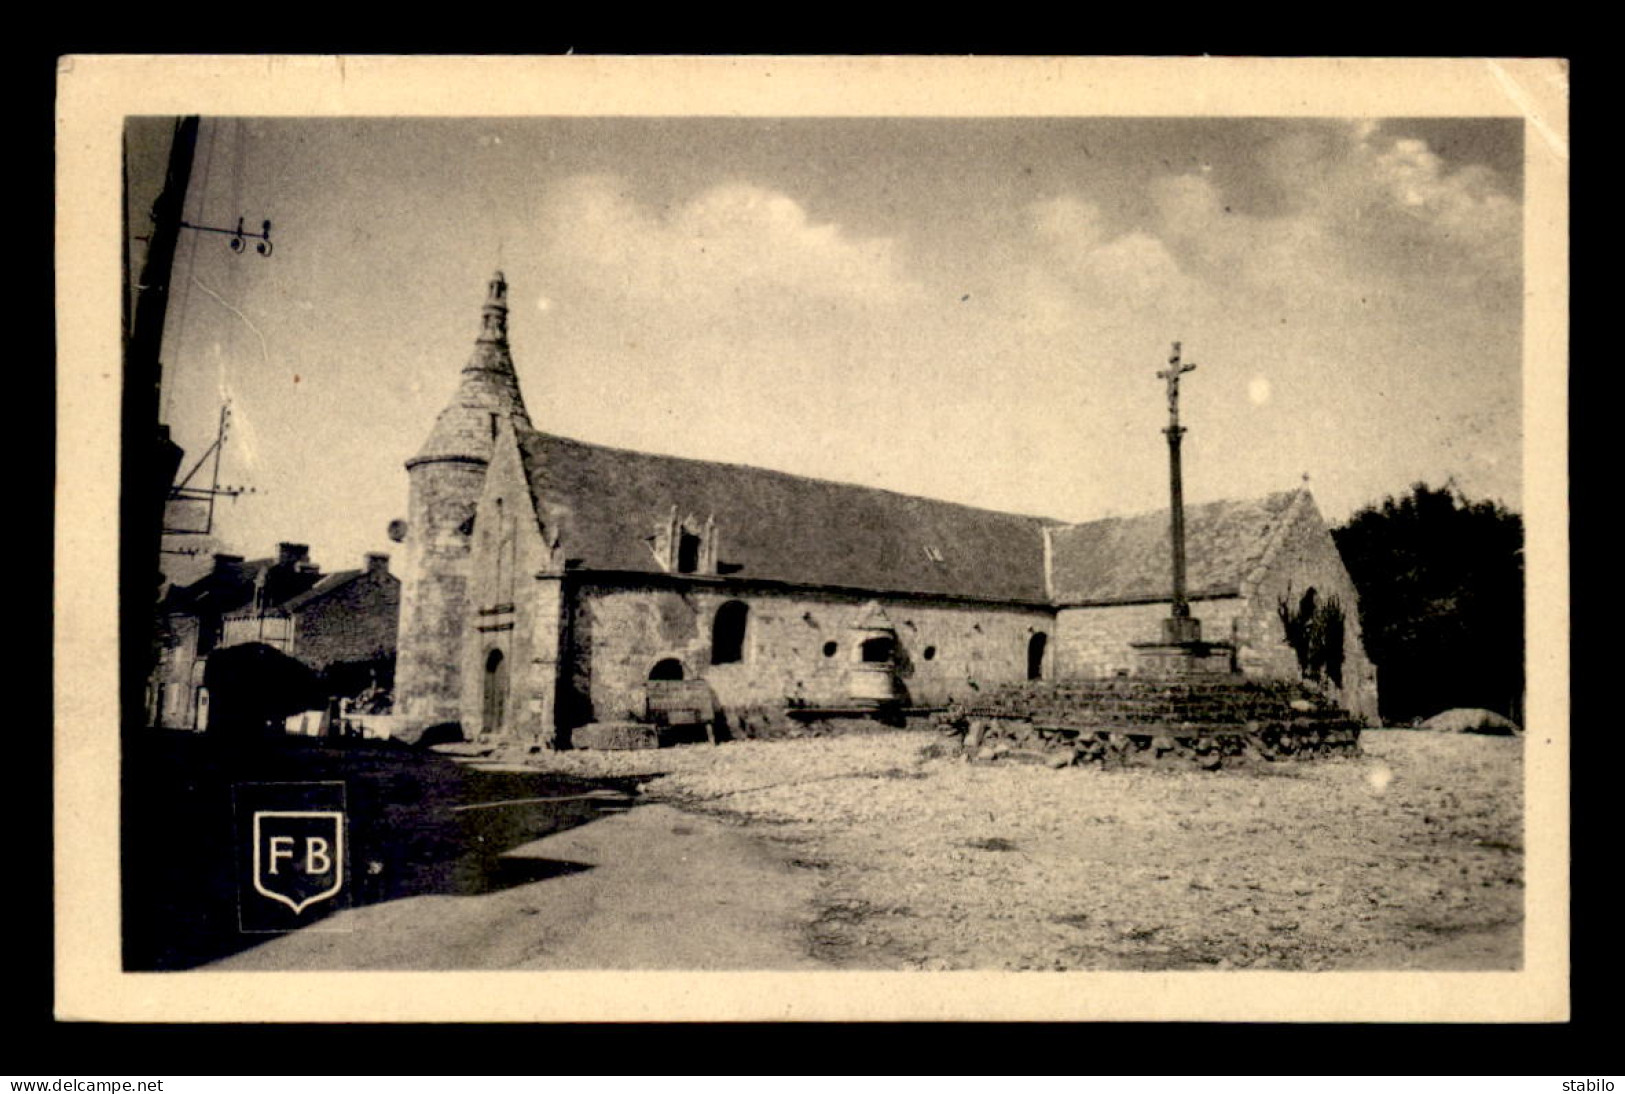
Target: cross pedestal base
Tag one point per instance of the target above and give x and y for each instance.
(1175, 660)
(1178, 630)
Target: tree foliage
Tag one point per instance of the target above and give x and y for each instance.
(1314, 629)
(1441, 588)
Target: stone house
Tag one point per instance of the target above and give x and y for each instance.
(549, 581)
(348, 619)
(285, 602)
(192, 620)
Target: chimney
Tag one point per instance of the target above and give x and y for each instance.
(377, 563)
(287, 554)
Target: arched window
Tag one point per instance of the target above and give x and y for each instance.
(728, 633)
(1035, 655)
(668, 669)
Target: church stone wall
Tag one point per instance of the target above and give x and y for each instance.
(434, 594)
(945, 651)
(1095, 642)
(515, 609)
(1305, 557)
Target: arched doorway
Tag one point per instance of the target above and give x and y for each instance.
(878, 650)
(667, 669)
(496, 691)
(1036, 645)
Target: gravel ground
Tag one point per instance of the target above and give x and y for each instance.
(1410, 855)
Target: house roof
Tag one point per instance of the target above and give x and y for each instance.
(607, 505)
(327, 584)
(230, 588)
(1123, 559)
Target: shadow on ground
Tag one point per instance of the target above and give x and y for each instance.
(407, 835)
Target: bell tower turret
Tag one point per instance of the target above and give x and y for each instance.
(446, 478)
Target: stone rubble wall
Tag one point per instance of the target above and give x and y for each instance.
(1206, 725)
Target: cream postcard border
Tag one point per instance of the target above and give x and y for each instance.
(95, 93)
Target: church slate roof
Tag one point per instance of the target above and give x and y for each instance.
(607, 505)
(1128, 559)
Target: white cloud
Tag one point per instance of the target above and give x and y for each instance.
(1396, 203)
(1075, 248)
(1466, 207)
(725, 242)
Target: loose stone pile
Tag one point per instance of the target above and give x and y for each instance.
(1201, 723)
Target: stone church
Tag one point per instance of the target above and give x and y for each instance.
(549, 581)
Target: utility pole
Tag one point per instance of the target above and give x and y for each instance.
(1179, 627)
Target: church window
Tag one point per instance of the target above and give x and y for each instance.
(728, 633)
(668, 669)
(1036, 646)
(688, 552)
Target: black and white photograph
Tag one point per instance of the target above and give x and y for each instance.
(972, 529)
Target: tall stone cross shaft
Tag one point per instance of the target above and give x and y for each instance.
(1181, 608)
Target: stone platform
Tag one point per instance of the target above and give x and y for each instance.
(1207, 722)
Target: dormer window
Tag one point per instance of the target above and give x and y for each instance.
(684, 545)
(688, 552)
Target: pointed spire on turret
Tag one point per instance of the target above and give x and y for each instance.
(488, 391)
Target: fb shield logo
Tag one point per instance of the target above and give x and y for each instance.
(298, 856)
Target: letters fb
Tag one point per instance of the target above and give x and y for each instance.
(298, 856)
(291, 851)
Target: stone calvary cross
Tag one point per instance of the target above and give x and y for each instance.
(1179, 627)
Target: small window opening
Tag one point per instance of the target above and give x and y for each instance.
(830, 648)
(1035, 655)
(930, 653)
(877, 650)
(728, 633)
(688, 553)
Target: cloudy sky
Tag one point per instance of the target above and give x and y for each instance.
(967, 309)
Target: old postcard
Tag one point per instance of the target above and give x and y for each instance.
(812, 538)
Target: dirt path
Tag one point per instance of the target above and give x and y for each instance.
(651, 888)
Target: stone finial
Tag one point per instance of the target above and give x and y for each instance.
(494, 315)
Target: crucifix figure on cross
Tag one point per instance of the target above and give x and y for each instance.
(1172, 374)
(1180, 627)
